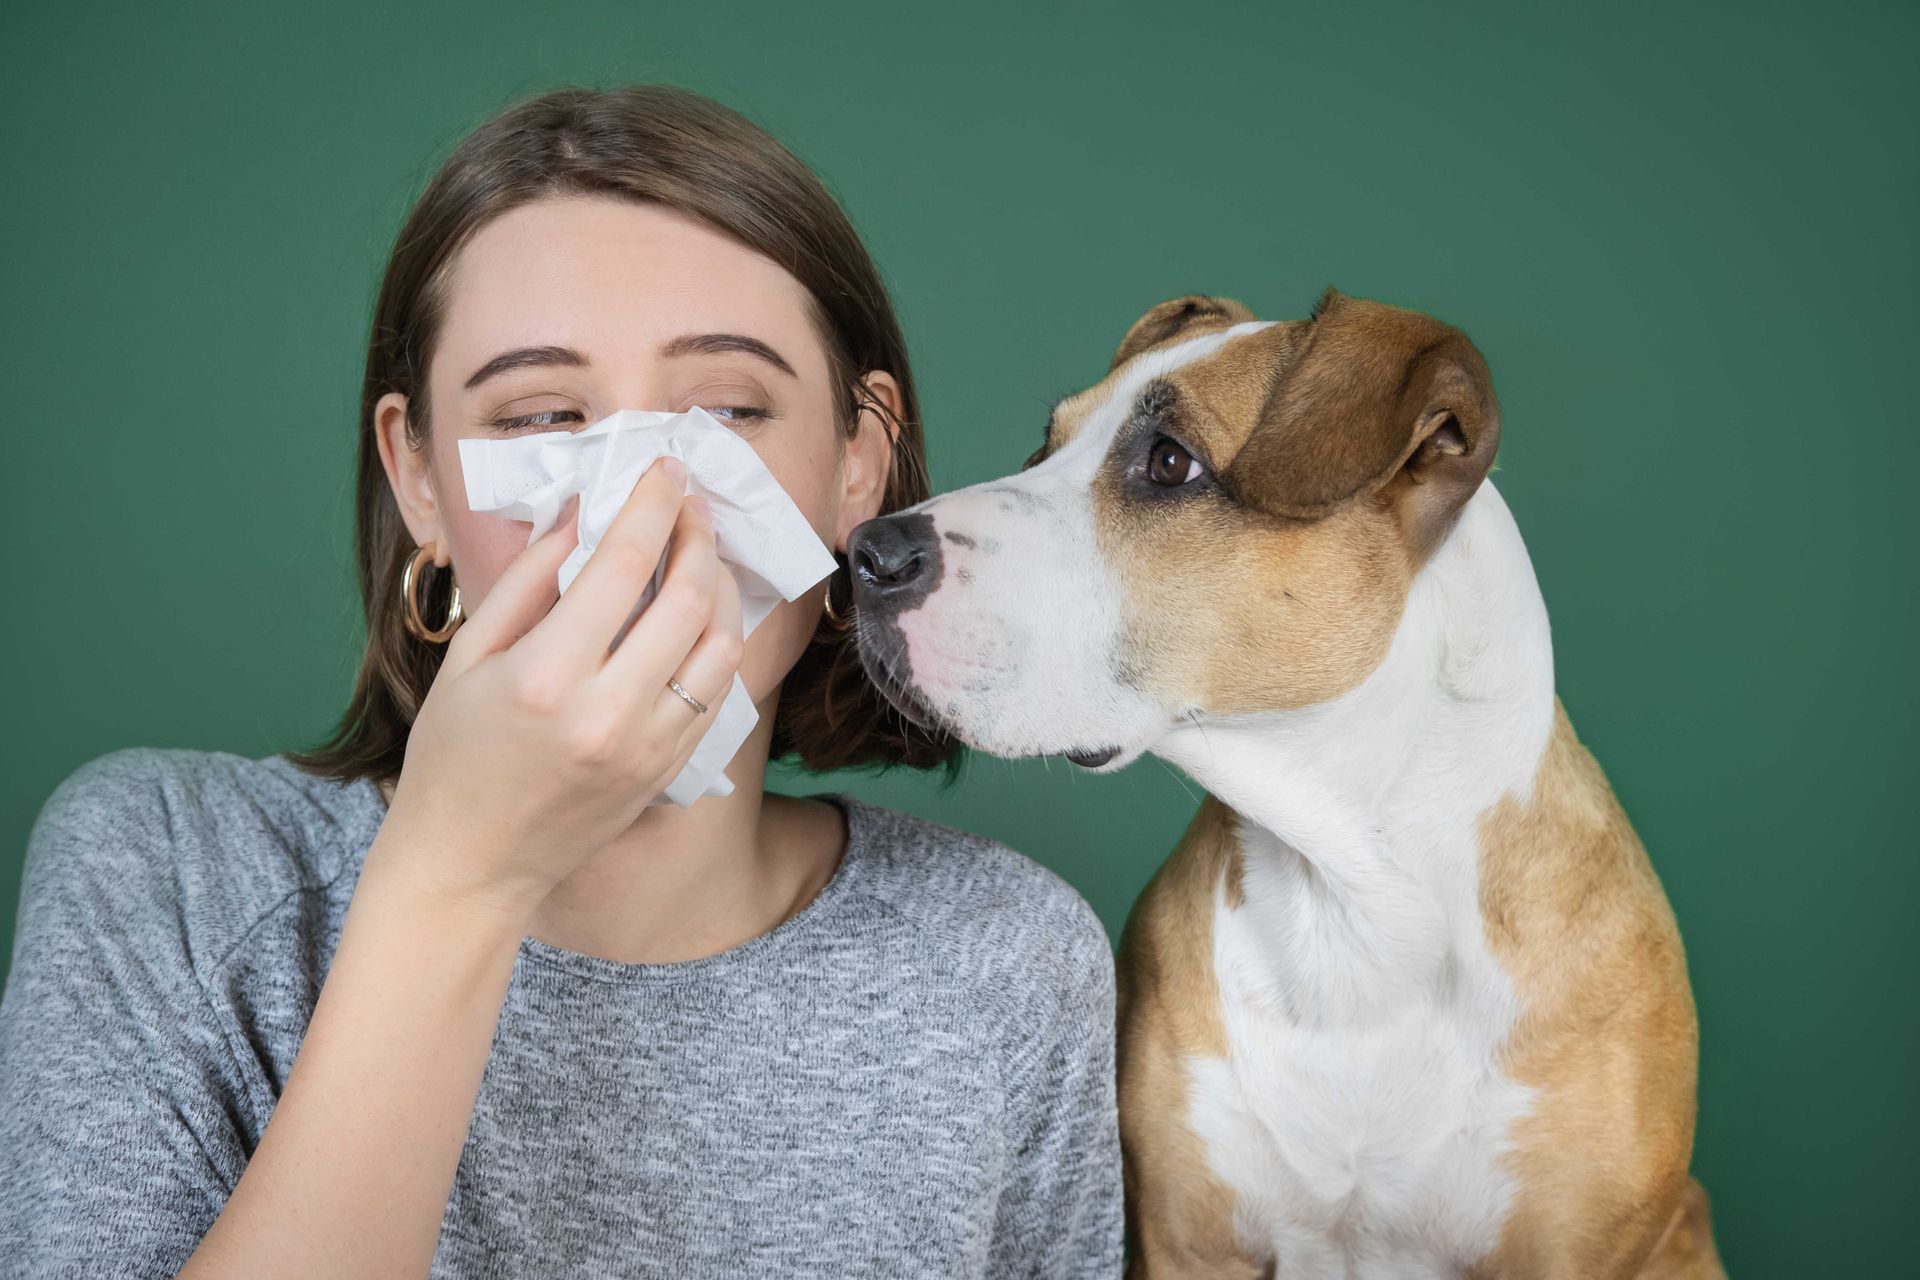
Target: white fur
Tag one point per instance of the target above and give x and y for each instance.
(1360, 1112)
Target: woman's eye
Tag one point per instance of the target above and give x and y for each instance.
(561, 418)
(1168, 463)
(545, 418)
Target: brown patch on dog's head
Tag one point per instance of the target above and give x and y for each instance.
(1373, 394)
(1182, 318)
(1335, 454)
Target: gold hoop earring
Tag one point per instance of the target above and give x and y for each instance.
(838, 621)
(409, 578)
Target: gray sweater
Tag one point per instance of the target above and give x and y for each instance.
(912, 1076)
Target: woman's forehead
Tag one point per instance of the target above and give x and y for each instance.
(607, 276)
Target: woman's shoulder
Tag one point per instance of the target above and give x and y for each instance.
(974, 893)
(190, 799)
(194, 840)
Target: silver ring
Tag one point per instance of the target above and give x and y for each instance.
(698, 706)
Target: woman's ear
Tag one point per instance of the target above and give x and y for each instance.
(868, 454)
(407, 475)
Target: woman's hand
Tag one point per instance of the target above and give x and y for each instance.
(540, 740)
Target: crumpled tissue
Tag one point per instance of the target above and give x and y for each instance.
(763, 538)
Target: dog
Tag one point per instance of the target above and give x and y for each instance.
(1407, 999)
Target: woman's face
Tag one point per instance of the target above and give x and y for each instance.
(624, 300)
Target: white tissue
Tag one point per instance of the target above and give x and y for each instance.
(765, 540)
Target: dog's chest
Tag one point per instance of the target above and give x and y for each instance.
(1359, 1114)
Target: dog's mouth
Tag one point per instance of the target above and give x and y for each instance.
(883, 655)
(914, 708)
(884, 658)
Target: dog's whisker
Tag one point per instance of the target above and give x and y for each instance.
(1175, 775)
(1193, 716)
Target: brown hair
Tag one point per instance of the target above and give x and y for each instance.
(668, 146)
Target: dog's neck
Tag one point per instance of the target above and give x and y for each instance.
(1362, 811)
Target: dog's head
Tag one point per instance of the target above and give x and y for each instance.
(1228, 522)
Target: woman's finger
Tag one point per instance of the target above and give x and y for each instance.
(659, 639)
(574, 634)
(709, 668)
(518, 599)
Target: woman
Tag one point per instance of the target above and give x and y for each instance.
(444, 994)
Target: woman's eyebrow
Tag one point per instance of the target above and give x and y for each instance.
(688, 344)
(526, 358)
(710, 344)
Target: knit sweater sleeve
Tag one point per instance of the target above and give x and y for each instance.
(119, 1096)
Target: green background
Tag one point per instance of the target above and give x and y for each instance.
(1684, 236)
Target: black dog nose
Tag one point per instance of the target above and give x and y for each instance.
(893, 555)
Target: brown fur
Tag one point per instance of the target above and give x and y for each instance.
(1360, 398)
(1178, 318)
(1180, 1218)
(1686, 1251)
(1577, 918)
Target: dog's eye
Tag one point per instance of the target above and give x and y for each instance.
(1168, 463)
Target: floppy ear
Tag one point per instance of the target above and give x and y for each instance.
(1373, 395)
(1179, 318)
